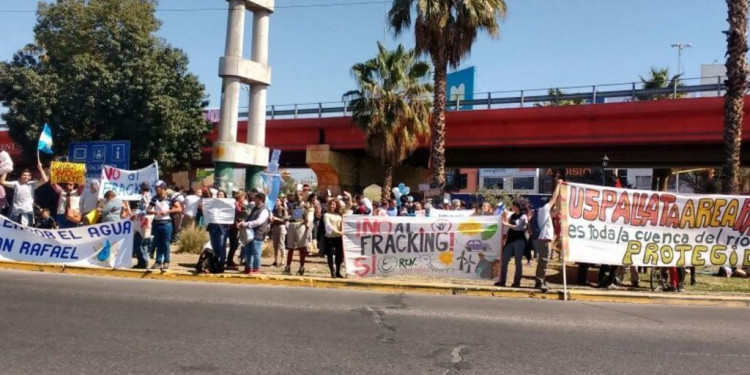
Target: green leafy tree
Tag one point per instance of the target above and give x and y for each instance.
(98, 72)
(734, 99)
(445, 30)
(391, 106)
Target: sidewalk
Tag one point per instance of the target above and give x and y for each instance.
(182, 268)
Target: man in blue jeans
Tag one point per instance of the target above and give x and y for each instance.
(161, 206)
(256, 225)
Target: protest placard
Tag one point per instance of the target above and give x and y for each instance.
(107, 245)
(606, 225)
(127, 184)
(72, 173)
(467, 247)
(218, 210)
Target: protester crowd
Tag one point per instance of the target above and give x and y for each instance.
(298, 223)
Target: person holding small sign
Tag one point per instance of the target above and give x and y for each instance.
(68, 205)
(161, 206)
(23, 198)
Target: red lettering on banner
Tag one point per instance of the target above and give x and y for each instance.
(111, 173)
(575, 202)
(363, 268)
(592, 212)
(609, 199)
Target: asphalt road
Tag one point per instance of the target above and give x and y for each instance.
(65, 324)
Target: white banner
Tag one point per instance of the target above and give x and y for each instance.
(452, 247)
(127, 184)
(218, 210)
(605, 225)
(107, 245)
(434, 212)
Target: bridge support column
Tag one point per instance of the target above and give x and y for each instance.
(340, 172)
(234, 71)
(335, 171)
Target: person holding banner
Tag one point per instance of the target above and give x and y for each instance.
(515, 243)
(162, 207)
(545, 237)
(217, 233)
(333, 222)
(23, 197)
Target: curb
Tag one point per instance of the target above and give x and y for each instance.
(392, 286)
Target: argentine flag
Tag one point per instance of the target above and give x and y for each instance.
(45, 141)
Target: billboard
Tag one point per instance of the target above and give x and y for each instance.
(461, 86)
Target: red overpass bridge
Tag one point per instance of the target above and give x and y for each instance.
(657, 133)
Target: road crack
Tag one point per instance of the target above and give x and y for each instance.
(457, 359)
(387, 332)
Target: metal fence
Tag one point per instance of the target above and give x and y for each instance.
(592, 94)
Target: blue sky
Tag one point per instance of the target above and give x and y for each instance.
(543, 43)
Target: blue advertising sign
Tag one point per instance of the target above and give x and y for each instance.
(461, 86)
(96, 154)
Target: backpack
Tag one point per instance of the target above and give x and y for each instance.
(208, 262)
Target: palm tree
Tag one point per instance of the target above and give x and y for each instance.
(734, 99)
(445, 30)
(659, 79)
(392, 106)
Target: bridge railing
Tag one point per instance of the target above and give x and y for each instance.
(591, 95)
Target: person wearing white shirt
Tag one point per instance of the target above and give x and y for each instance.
(23, 197)
(546, 236)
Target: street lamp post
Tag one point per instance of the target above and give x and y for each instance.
(605, 162)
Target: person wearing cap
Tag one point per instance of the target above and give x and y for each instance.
(161, 206)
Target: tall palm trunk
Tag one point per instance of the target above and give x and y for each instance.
(734, 99)
(385, 194)
(437, 124)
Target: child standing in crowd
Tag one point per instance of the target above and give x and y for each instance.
(23, 197)
(46, 221)
(142, 241)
